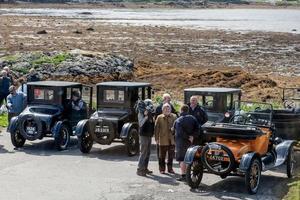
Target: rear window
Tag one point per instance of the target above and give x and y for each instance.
(113, 96)
(43, 94)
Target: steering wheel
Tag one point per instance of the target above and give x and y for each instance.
(289, 104)
(209, 103)
(238, 119)
(258, 108)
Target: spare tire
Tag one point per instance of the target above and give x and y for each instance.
(218, 159)
(104, 138)
(30, 127)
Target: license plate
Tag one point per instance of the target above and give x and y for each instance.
(102, 130)
(30, 130)
(217, 156)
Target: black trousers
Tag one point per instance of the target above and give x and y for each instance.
(163, 150)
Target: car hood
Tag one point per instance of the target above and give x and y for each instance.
(109, 114)
(43, 111)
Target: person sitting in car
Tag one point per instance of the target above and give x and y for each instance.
(77, 108)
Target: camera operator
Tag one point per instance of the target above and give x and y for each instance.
(146, 124)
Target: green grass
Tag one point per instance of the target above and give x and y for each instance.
(10, 58)
(294, 191)
(55, 60)
(3, 120)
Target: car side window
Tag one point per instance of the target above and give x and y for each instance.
(209, 101)
(114, 96)
(228, 102)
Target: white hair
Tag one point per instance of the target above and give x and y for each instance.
(166, 95)
(166, 105)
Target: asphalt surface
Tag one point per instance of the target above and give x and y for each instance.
(38, 171)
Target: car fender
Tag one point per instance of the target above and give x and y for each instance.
(282, 150)
(126, 128)
(13, 125)
(190, 154)
(57, 127)
(246, 161)
(80, 127)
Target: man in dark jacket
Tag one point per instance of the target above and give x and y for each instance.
(77, 108)
(5, 83)
(33, 76)
(166, 99)
(146, 124)
(196, 110)
(186, 128)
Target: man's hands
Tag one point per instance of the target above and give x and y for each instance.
(191, 139)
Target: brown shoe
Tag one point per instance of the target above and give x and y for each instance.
(141, 173)
(148, 171)
(171, 171)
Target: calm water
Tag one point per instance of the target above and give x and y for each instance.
(274, 20)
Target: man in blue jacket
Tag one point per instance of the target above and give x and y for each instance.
(186, 129)
(16, 102)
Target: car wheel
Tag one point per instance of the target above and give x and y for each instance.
(132, 142)
(194, 174)
(85, 142)
(17, 139)
(63, 138)
(290, 162)
(253, 175)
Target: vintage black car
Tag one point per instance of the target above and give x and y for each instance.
(287, 120)
(218, 102)
(245, 146)
(115, 119)
(49, 114)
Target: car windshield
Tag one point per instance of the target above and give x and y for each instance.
(252, 113)
(43, 94)
(113, 96)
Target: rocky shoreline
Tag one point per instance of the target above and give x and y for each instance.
(76, 65)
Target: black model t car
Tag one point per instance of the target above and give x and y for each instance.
(218, 102)
(49, 114)
(287, 120)
(115, 118)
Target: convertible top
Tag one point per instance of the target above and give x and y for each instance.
(54, 83)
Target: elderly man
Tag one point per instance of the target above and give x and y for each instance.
(7, 69)
(33, 76)
(196, 110)
(16, 102)
(166, 99)
(5, 83)
(186, 128)
(200, 114)
(164, 138)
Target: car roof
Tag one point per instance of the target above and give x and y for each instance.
(124, 84)
(213, 90)
(54, 83)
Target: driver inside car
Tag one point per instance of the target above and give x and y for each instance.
(77, 108)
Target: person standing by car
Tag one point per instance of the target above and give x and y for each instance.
(166, 99)
(5, 83)
(22, 86)
(7, 69)
(200, 114)
(164, 138)
(16, 102)
(146, 124)
(33, 76)
(186, 128)
(197, 111)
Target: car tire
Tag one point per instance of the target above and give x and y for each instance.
(210, 169)
(17, 139)
(132, 142)
(85, 141)
(63, 138)
(38, 124)
(194, 174)
(253, 176)
(290, 162)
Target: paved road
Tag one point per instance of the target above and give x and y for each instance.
(37, 171)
